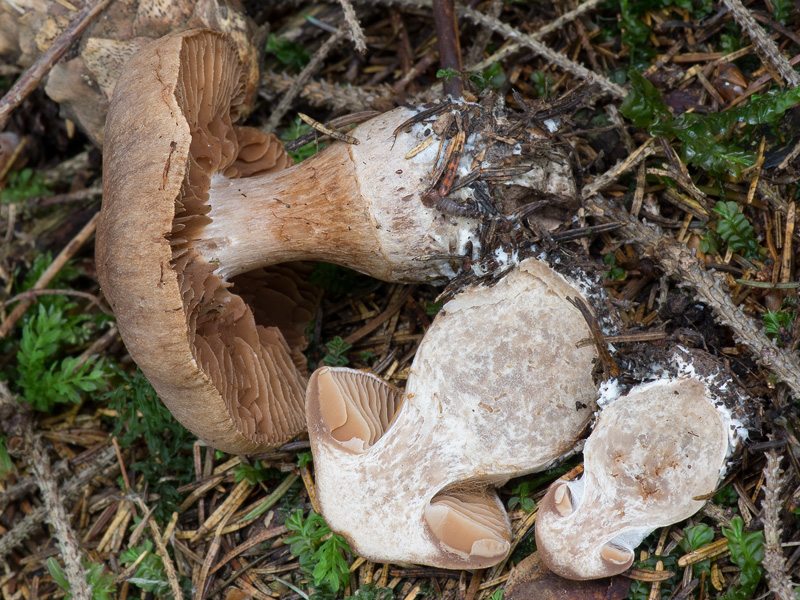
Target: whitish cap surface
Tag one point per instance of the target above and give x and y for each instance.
(224, 356)
(650, 455)
(498, 388)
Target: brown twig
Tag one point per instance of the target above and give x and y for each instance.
(31, 295)
(767, 49)
(774, 562)
(680, 264)
(541, 49)
(355, 28)
(67, 253)
(33, 521)
(444, 18)
(58, 517)
(34, 75)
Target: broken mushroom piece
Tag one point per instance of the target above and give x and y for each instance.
(498, 388)
(652, 457)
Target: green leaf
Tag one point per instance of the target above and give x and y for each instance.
(6, 464)
(320, 553)
(774, 322)
(643, 105)
(289, 53)
(337, 350)
(747, 552)
(57, 573)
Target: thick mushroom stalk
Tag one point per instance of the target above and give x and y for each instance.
(498, 388)
(652, 456)
(195, 208)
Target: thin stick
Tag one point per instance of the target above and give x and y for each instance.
(34, 75)
(161, 550)
(355, 27)
(541, 49)
(57, 517)
(774, 561)
(767, 49)
(67, 253)
(33, 294)
(30, 523)
(611, 175)
(444, 18)
(679, 263)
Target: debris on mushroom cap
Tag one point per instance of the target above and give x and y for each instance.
(489, 397)
(83, 83)
(651, 458)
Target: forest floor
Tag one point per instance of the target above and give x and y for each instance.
(680, 119)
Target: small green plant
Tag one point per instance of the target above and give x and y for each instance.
(255, 473)
(521, 496)
(141, 414)
(103, 587)
(6, 464)
(710, 242)
(297, 128)
(542, 82)
(337, 353)
(367, 356)
(614, 272)
(44, 376)
(320, 553)
(747, 552)
(735, 229)
(150, 575)
(694, 538)
(432, 308)
(371, 591)
(777, 323)
(704, 138)
(727, 496)
(496, 595)
(304, 458)
(492, 77)
(289, 53)
(781, 9)
(23, 184)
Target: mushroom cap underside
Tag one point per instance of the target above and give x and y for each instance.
(487, 399)
(231, 372)
(651, 454)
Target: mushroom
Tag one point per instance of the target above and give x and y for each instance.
(652, 457)
(196, 208)
(498, 388)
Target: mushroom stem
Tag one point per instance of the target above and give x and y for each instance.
(354, 205)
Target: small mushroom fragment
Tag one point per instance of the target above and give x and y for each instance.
(498, 388)
(196, 207)
(651, 457)
(83, 82)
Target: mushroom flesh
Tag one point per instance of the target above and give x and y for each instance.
(498, 388)
(652, 457)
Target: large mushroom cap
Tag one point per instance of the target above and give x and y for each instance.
(651, 455)
(498, 388)
(231, 371)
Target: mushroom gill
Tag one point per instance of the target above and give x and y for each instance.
(244, 356)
